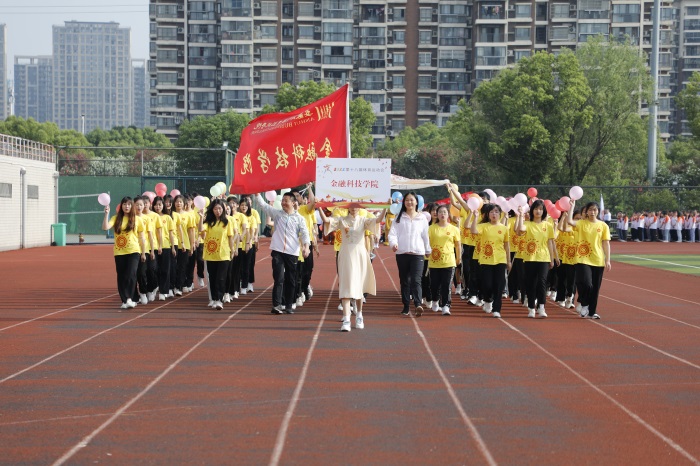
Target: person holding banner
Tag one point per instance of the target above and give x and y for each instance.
(355, 272)
(408, 238)
(289, 237)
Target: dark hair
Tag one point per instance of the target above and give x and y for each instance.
(575, 213)
(593, 204)
(403, 205)
(138, 198)
(247, 203)
(120, 216)
(535, 205)
(290, 195)
(209, 217)
(484, 194)
(166, 210)
(486, 210)
(155, 200)
(179, 196)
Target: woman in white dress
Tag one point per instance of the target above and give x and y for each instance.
(355, 272)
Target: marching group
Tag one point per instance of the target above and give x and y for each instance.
(662, 226)
(488, 254)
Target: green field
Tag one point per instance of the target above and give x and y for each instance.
(687, 263)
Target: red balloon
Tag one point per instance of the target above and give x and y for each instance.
(532, 192)
(554, 213)
(547, 202)
(160, 192)
(558, 206)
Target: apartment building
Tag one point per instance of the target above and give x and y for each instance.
(4, 107)
(92, 76)
(33, 87)
(689, 49)
(141, 117)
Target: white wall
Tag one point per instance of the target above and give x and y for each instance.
(40, 212)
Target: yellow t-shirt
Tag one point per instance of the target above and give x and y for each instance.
(216, 244)
(537, 236)
(514, 239)
(442, 242)
(590, 242)
(493, 239)
(256, 215)
(388, 220)
(243, 224)
(466, 234)
(127, 242)
(567, 247)
(154, 219)
(148, 227)
(167, 225)
(183, 238)
(309, 216)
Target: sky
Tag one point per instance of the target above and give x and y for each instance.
(29, 23)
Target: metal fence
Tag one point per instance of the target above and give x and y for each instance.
(23, 148)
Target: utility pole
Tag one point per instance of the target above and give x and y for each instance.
(653, 104)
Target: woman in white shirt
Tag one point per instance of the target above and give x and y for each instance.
(408, 238)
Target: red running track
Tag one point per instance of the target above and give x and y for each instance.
(175, 382)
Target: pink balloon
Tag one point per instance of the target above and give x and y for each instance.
(160, 192)
(532, 192)
(554, 212)
(427, 216)
(200, 202)
(526, 208)
(558, 206)
(174, 192)
(161, 187)
(473, 203)
(103, 199)
(547, 203)
(565, 203)
(149, 195)
(271, 196)
(502, 203)
(576, 193)
(521, 199)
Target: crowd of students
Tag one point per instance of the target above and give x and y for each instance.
(662, 226)
(487, 254)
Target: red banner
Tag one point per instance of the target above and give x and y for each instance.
(279, 150)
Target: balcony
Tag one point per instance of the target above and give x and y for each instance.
(491, 61)
(452, 19)
(202, 16)
(594, 14)
(237, 35)
(236, 12)
(370, 85)
(372, 40)
(203, 61)
(626, 18)
(452, 63)
(371, 63)
(202, 105)
(203, 83)
(492, 12)
(203, 38)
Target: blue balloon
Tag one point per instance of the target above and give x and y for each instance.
(395, 209)
(421, 201)
(396, 196)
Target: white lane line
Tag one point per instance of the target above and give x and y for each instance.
(652, 291)
(473, 431)
(56, 312)
(650, 312)
(88, 438)
(284, 427)
(656, 260)
(627, 411)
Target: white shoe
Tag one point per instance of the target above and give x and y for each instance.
(562, 303)
(211, 303)
(488, 307)
(294, 306)
(549, 293)
(516, 301)
(359, 321)
(531, 313)
(480, 302)
(345, 327)
(571, 302)
(130, 303)
(458, 289)
(151, 296)
(496, 314)
(446, 311)
(218, 305)
(584, 311)
(250, 287)
(226, 298)
(540, 311)
(235, 295)
(300, 302)
(302, 297)
(578, 308)
(435, 307)
(473, 300)
(340, 306)
(124, 306)
(170, 294)
(178, 292)
(244, 291)
(161, 297)
(200, 282)
(364, 300)
(310, 291)
(504, 295)
(143, 298)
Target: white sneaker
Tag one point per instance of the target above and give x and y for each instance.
(549, 293)
(436, 306)
(151, 296)
(578, 308)
(496, 314)
(540, 311)
(364, 300)
(561, 303)
(124, 306)
(244, 291)
(302, 297)
(504, 295)
(200, 282)
(218, 305)
(584, 311)
(340, 306)
(310, 291)
(161, 297)
(226, 298)
(531, 313)
(458, 289)
(446, 311)
(143, 299)
(294, 306)
(473, 300)
(516, 301)
(130, 304)
(211, 303)
(345, 327)
(488, 307)
(235, 295)
(300, 302)
(178, 292)
(571, 302)
(250, 287)
(359, 321)
(480, 302)
(170, 294)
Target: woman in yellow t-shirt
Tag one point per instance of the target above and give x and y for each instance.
(539, 255)
(495, 258)
(182, 229)
(165, 233)
(244, 208)
(142, 290)
(444, 241)
(567, 249)
(219, 249)
(593, 257)
(129, 246)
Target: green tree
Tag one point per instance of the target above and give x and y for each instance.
(47, 133)
(689, 101)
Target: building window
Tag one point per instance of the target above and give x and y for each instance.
(306, 32)
(424, 58)
(425, 37)
(425, 104)
(399, 104)
(399, 81)
(398, 125)
(399, 59)
(425, 81)
(522, 33)
(519, 54)
(399, 36)
(268, 77)
(267, 99)
(306, 9)
(268, 32)
(268, 8)
(626, 13)
(426, 14)
(337, 32)
(6, 190)
(693, 11)
(32, 191)
(268, 54)
(523, 10)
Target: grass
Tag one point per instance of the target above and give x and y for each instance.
(687, 264)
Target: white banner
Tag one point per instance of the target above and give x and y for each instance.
(341, 182)
(399, 182)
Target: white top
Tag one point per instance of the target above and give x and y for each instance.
(622, 223)
(290, 229)
(410, 235)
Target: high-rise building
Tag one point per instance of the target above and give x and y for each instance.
(412, 60)
(140, 84)
(4, 107)
(33, 87)
(91, 76)
(689, 48)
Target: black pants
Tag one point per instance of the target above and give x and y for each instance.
(146, 276)
(475, 278)
(181, 268)
(307, 271)
(164, 259)
(654, 232)
(552, 278)
(467, 253)
(536, 282)
(245, 268)
(441, 285)
(513, 277)
(218, 271)
(426, 279)
(252, 254)
(284, 271)
(189, 270)
(588, 281)
(674, 235)
(126, 274)
(410, 270)
(233, 280)
(200, 262)
(493, 278)
(566, 281)
(173, 269)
